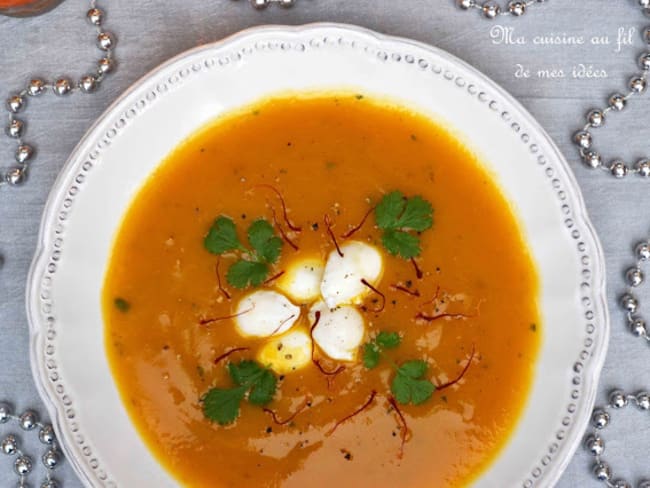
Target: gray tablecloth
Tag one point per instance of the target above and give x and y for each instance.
(556, 92)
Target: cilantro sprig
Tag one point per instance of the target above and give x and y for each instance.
(372, 350)
(401, 219)
(410, 385)
(222, 405)
(253, 266)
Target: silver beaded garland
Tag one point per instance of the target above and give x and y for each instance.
(596, 118)
(51, 458)
(15, 176)
(619, 169)
(594, 444)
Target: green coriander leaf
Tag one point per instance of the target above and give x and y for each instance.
(401, 243)
(418, 215)
(413, 369)
(389, 210)
(421, 391)
(263, 389)
(244, 273)
(245, 373)
(408, 386)
(266, 244)
(400, 389)
(388, 340)
(370, 355)
(222, 405)
(121, 304)
(222, 236)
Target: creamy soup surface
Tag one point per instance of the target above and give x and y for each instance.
(405, 362)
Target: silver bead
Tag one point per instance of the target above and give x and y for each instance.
(644, 3)
(643, 251)
(51, 483)
(595, 445)
(583, 139)
(621, 484)
(62, 86)
(643, 400)
(105, 41)
(15, 128)
(286, 3)
(617, 101)
(24, 153)
(617, 399)
(260, 4)
(95, 16)
(28, 420)
(638, 327)
(646, 35)
(5, 412)
(9, 445)
(16, 176)
(465, 4)
(644, 61)
(629, 303)
(600, 419)
(517, 8)
(51, 458)
(491, 9)
(642, 168)
(592, 159)
(105, 65)
(619, 169)
(88, 83)
(634, 276)
(602, 471)
(35, 87)
(46, 435)
(23, 465)
(15, 103)
(596, 118)
(644, 484)
(638, 84)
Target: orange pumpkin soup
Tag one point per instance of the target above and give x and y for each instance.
(318, 291)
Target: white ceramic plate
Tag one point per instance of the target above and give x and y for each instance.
(123, 147)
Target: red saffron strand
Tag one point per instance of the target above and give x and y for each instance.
(291, 417)
(403, 430)
(328, 224)
(281, 324)
(460, 377)
(228, 353)
(221, 288)
(375, 290)
(367, 403)
(418, 271)
(435, 297)
(225, 317)
(293, 227)
(313, 348)
(274, 277)
(357, 228)
(413, 293)
(282, 233)
(433, 318)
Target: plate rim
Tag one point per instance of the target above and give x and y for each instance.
(37, 327)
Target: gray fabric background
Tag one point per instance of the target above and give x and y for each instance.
(150, 32)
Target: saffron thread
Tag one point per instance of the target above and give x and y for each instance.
(228, 353)
(355, 413)
(357, 228)
(375, 290)
(328, 224)
(460, 377)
